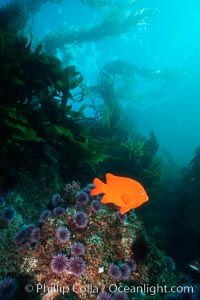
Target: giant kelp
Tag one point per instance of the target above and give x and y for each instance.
(31, 7)
(188, 212)
(38, 121)
(36, 117)
(115, 22)
(130, 152)
(12, 17)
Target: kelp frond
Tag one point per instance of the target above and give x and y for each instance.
(12, 17)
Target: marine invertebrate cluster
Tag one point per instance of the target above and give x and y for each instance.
(88, 248)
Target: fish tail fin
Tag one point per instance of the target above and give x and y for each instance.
(100, 187)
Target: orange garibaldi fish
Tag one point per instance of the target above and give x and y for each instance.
(122, 191)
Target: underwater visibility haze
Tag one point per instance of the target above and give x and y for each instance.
(100, 149)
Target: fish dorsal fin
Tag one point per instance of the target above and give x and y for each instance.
(126, 198)
(109, 178)
(114, 181)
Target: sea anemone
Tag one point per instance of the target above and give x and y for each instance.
(2, 201)
(132, 264)
(103, 296)
(114, 271)
(120, 296)
(63, 234)
(81, 199)
(8, 213)
(125, 271)
(96, 206)
(77, 249)
(56, 199)
(58, 211)
(77, 265)
(59, 263)
(35, 235)
(81, 219)
(45, 215)
(8, 287)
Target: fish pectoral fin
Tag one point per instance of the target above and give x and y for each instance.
(105, 199)
(126, 198)
(124, 209)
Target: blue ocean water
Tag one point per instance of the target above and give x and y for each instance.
(166, 42)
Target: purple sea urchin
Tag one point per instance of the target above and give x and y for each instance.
(8, 287)
(77, 265)
(114, 271)
(63, 234)
(81, 199)
(77, 249)
(58, 211)
(8, 213)
(35, 235)
(21, 237)
(96, 206)
(103, 296)
(59, 263)
(88, 188)
(45, 215)
(56, 200)
(125, 271)
(132, 264)
(81, 219)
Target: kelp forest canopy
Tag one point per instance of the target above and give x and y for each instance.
(39, 123)
(58, 127)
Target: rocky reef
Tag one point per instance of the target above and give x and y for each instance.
(84, 250)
